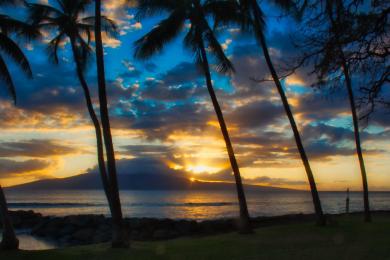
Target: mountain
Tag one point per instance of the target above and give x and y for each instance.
(91, 181)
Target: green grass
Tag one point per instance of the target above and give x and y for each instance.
(350, 238)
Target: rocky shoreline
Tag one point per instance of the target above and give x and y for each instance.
(90, 229)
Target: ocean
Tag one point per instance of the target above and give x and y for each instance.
(195, 205)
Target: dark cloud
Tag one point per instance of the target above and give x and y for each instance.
(160, 91)
(316, 106)
(144, 165)
(183, 73)
(265, 180)
(256, 114)
(11, 168)
(159, 151)
(35, 148)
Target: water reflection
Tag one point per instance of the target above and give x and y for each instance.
(196, 205)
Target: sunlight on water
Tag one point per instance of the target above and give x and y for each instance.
(196, 205)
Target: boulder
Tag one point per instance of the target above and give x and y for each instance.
(84, 235)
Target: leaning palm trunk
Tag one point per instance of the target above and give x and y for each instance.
(313, 187)
(120, 236)
(96, 123)
(244, 225)
(367, 213)
(9, 241)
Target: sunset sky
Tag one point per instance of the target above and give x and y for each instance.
(162, 115)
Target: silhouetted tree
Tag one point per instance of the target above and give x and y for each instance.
(198, 38)
(333, 46)
(68, 22)
(9, 48)
(120, 236)
(250, 16)
(9, 241)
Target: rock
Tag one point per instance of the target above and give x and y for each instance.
(184, 227)
(84, 235)
(67, 230)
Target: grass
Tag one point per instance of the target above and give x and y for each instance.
(349, 238)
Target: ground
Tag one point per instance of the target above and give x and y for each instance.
(348, 237)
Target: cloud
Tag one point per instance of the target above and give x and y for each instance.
(11, 168)
(265, 180)
(256, 114)
(35, 148)
(144, 165)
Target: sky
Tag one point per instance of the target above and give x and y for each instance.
(162, 115)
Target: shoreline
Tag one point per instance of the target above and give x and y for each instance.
(75, 230)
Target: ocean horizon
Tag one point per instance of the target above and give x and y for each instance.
(193, 205)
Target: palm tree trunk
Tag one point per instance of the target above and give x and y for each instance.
(120, 236)
(9, 241)
(96, 123)
(313, 187)
(367, 213)
(244, 225)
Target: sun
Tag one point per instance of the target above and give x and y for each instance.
(192, 179)
(197, 169)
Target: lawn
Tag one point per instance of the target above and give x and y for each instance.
(348, 238)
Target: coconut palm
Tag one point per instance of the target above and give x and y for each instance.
(120, 236)
(250, 16)
(10, 49)
(198, 38)
(10, 241)
(65, 23)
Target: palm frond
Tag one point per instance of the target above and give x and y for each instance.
(52, 48)
(224, 12)
(12, 50)
(39, 12)
(286, 5)
(223, 64)
(5, 76)
(108, 26)
(147, 8)
(24, 30)
(83, 52)
(11, 2)
(154, 41)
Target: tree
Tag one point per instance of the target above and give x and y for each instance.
(330, 42)
(198, 37)
(11, 49)
(250, 16)
(10, 241)
(335, 11)
(120, 236)
(67, 24)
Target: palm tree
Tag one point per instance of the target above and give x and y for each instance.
(10, 241)
(120, 236)
(11, 49)
(198, 37)
(249, 14)
(335, 10)
(67, 22)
